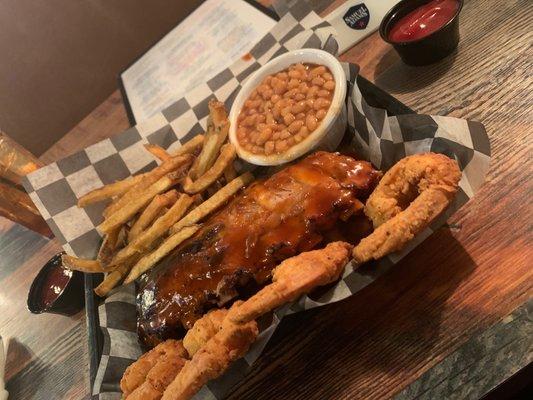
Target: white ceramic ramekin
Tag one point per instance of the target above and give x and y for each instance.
(326, 136)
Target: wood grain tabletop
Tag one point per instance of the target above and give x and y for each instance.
(461, 281)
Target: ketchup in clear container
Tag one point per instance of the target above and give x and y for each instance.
(423, 21)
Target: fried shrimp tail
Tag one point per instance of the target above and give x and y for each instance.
(292, 278)
(407, 199)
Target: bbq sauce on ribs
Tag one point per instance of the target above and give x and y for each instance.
(293, 211)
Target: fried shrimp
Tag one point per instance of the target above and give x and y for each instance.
(203, 330)
(159, 377)
(407, 199)
(211, 361)
(292, 278)
(136, 374)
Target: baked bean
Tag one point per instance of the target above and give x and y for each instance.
(320, 114)
(288, 118)
(329, 85)
(317, 71)
(264, 136)
(293, 83)
(321, 103)
(311, 93)
(303, 88)
(269, 147)
(279, 87)
(285, 108)
(303, 132)
(281, 146)
(318, 81)
(295, 126)
(267, 94)
(285, 111)
(298, 107)
(284, 134)
(294, 73)
(275, 98)
(289, 94)
(311, 122)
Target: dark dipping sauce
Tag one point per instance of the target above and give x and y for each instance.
(424, 20)
(54, 283)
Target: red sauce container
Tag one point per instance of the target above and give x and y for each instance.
(56, 290)
(422, 31)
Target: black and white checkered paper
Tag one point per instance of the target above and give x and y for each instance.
(379, 138)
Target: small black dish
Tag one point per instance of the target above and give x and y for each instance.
(428, 49)
(68, 301)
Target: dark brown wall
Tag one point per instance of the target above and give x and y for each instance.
(61, 58)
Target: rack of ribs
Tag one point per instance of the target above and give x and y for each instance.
(293, 211)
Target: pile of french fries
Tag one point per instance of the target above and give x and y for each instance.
(152, 213)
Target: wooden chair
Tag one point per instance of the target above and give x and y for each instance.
(15, 204)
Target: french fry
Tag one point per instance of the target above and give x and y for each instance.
(148, 261)
(230, 173)
(80, 264)
(217, 132)
(107, 249)
(131, 208)
(158, 152)
(159, 228)
(151, 212)
(113, 189)
(226, 157)
(179, 163)
(214, 202)
(190, 147)
(113, 278)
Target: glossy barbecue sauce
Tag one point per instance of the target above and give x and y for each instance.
(424, 20)
(287, 214)
(54, 283)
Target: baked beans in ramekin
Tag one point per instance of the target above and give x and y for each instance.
(285, 108)
(292, 105)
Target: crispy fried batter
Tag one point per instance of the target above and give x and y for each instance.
(229, 344)
(407, 199)
(292, 278)
(136, 373)
(159, 377)
(203, 330)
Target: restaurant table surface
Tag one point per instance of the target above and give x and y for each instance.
(465, 282)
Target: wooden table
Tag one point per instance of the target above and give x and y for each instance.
(457, 284)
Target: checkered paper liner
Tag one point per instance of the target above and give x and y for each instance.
(379, 138)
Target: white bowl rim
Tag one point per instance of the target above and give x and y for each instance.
(315, 56)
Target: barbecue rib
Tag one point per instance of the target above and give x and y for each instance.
(291, 212)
